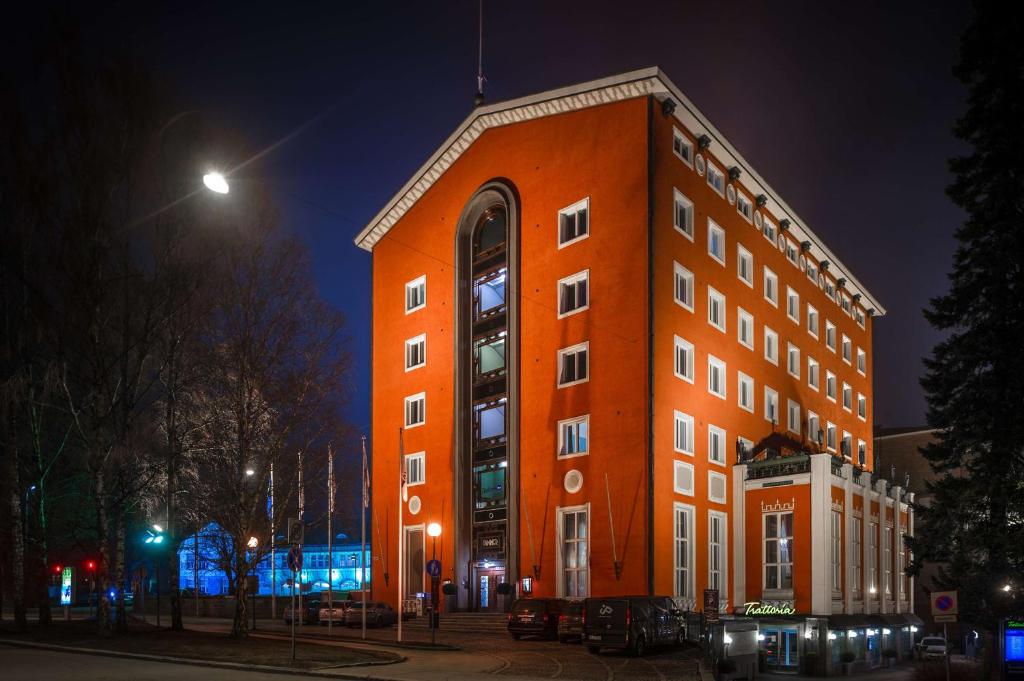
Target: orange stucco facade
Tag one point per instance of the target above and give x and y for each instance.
(619, 154)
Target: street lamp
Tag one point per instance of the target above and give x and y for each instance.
(434, 530)
(1006, 588)
(216, 182)
(155, 536)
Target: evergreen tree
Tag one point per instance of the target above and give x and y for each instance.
(974, 382)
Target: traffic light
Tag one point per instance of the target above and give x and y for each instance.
(56, 569)
(90, 565)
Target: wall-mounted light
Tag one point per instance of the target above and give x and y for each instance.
(805, 246)
(703, 142)
(734, 173)
(831, 636)
(824, 265)
(761, 200)
(784, 224)
(856, 297)
(871, 312)
(668, 106)
(840, 283)
(886, 632)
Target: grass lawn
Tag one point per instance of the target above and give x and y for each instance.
(147, 639)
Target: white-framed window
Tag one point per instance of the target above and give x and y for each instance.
(574, 223)
(415, 469)
(813, 426)
(771, 346)
(847, 445)
(793, 360)
(830, 335)
(745, 328)
(771, 287)
(745, 391)
(683, 551)
(768, 229)
(862, 407)
(682, 478)
(416, 294)
(830, 288)
(847, 397)
(716, 241)
(683, 441)
(778, 551)
(858, 314)
(862, 452)
(844, 302)
(812, 321)
(744, 207)
(717, 484)
(716, 309)
(574, 364)
(574, 554)
(744, 265)
(858, 529)
(718, 552)
(862, 362)
(682, 286)
(792, 255)
(887, 559)
(682, 147)
(574, 437)
(416, 352)
(830, 436)
(716, 180)
(847, 349)
(813, 373)
(830, 385)
(792, 305)
(793, 423)
(771, 405)
(716, 444)
(415, 410)
(716, 376)
(812, 271)
(573, 293)
(837, 552)
(872, 557)
(683, 359)
(682, 214)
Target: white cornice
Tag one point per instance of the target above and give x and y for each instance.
(643, 82)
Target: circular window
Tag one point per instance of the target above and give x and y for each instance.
(730, 194)
(782, 243)
(699, 162)
(821, 281)
(415, 505)
(573, 481)
(758, 221)
(803, 262)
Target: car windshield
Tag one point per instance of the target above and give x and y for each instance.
(528, 605)
(932, 642)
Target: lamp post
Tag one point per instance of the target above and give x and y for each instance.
(155, 536)
(434, 530)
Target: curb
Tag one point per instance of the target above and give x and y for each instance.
(440, 647)
(266, 669)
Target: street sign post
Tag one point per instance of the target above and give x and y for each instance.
(294, 564)
(945, 609)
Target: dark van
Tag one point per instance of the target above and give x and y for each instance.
(536, 617)
(631, 623)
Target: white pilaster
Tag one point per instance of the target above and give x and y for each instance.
(739, 523)
(821, 514)
(847, 538)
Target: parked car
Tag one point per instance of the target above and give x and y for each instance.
(535, 617)
(310, 611)
(335, 614)
(632, 623)
(931, 647)
(570, 622)
(378, 614)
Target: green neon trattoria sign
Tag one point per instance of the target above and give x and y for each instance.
(761, 609)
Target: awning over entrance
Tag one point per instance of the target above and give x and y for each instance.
(900, 619)
(848, 621)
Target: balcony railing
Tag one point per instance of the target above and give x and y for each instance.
(779, 467)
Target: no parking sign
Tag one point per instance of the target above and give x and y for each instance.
(944, 606)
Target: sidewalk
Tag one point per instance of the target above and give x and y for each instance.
(902, 672)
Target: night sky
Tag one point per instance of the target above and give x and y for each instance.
(845, 108)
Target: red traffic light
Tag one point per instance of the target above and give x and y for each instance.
(90, 564)
(56, 568)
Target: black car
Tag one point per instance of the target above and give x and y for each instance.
(310, 611)
(570, 622)
(535, 617)
(631, 623)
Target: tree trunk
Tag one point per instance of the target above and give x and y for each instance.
(43, 575)
(17, 542)
(122, 619)
(103, 559)
(173, 564)
(240, 627)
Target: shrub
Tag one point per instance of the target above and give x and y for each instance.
(847, 657)
(449, 589)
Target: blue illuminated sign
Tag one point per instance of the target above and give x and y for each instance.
(1014, 642)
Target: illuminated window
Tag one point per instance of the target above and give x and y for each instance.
(682, 215)
(778, 551)
(862, 407)
(415, 352)
(837, 552)
(862, 362)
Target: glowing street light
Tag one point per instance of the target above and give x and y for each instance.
(216, 182)
(253, 542)
(434, 529)
(250, 472)
(1006, 588)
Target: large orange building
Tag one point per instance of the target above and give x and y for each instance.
(620, 363)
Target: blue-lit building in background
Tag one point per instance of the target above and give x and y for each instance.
(345, 572)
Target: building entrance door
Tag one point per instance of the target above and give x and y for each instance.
(485, 588)
(780, 646)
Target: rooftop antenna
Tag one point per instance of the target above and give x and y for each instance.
(479, 98)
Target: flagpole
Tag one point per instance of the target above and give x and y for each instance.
(273, 552)
(302, 506)
(400, 587)
(330, 542)
(362, 534)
